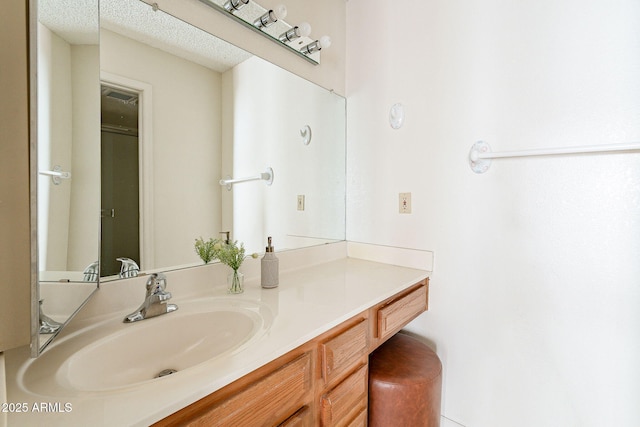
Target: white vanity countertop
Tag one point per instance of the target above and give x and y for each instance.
(308, 302)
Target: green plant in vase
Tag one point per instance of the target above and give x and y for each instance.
(206, 250)
(233, 255)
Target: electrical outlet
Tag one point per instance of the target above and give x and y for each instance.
(404, 203)
(301, 202)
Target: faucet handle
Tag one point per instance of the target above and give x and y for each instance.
(156, 283)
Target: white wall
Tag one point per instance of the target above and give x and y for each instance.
(84, 225)
(186, 143)
(534, 305)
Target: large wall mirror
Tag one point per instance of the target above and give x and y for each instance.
(170, 110)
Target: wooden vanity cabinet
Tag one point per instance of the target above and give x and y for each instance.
(323, 382)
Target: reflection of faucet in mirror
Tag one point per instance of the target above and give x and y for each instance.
(129, 268)
(91, 272)
(47, 324)
(155, 303)
(227, 237)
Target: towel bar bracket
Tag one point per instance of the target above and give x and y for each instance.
(479, 165)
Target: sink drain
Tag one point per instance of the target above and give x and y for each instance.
(166, 372)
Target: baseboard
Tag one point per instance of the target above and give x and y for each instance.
(446, 422)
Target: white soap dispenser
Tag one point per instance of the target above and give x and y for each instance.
(269, 267)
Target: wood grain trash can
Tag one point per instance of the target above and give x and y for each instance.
(405, 384)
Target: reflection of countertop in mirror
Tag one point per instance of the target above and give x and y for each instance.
(319, 288)
(61, 299)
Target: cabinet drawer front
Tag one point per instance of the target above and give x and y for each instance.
(360, 420)
(396, 314)
(269, 400)
(344, 405)
(344, 351)
(302, 418)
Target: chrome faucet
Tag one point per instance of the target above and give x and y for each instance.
(129, 268)
(47, 324)
(155, 303)
(92, 272)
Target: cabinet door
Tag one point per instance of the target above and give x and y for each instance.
(344, 351)
(345, 403)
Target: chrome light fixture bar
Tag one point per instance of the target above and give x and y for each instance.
(233, 5)
(302, 30)
(271, 17)
(289, 39)
(317, 45)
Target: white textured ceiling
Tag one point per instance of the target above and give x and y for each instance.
(77, 22)
(138, 21)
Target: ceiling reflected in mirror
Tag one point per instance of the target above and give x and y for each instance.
(164, 32)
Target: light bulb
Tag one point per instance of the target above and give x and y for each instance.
(324, 42)
(304, 29)
(280, 11)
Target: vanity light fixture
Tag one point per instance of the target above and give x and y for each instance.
(271, 17)
(317, 45)
(302, 30)
(233, 5)
(288, 36)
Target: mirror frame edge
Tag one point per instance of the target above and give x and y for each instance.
(33, 175)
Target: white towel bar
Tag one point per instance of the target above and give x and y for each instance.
(266, 176)
(480, 154)
(56, 174)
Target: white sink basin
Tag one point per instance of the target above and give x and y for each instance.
(114, 355)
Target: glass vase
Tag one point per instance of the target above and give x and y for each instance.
(235, 282)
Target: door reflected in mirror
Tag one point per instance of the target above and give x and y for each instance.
(120, 195)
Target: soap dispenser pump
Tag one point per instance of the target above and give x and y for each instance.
(269, 267)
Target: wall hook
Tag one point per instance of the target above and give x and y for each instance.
(396, 116)
(305, 133)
